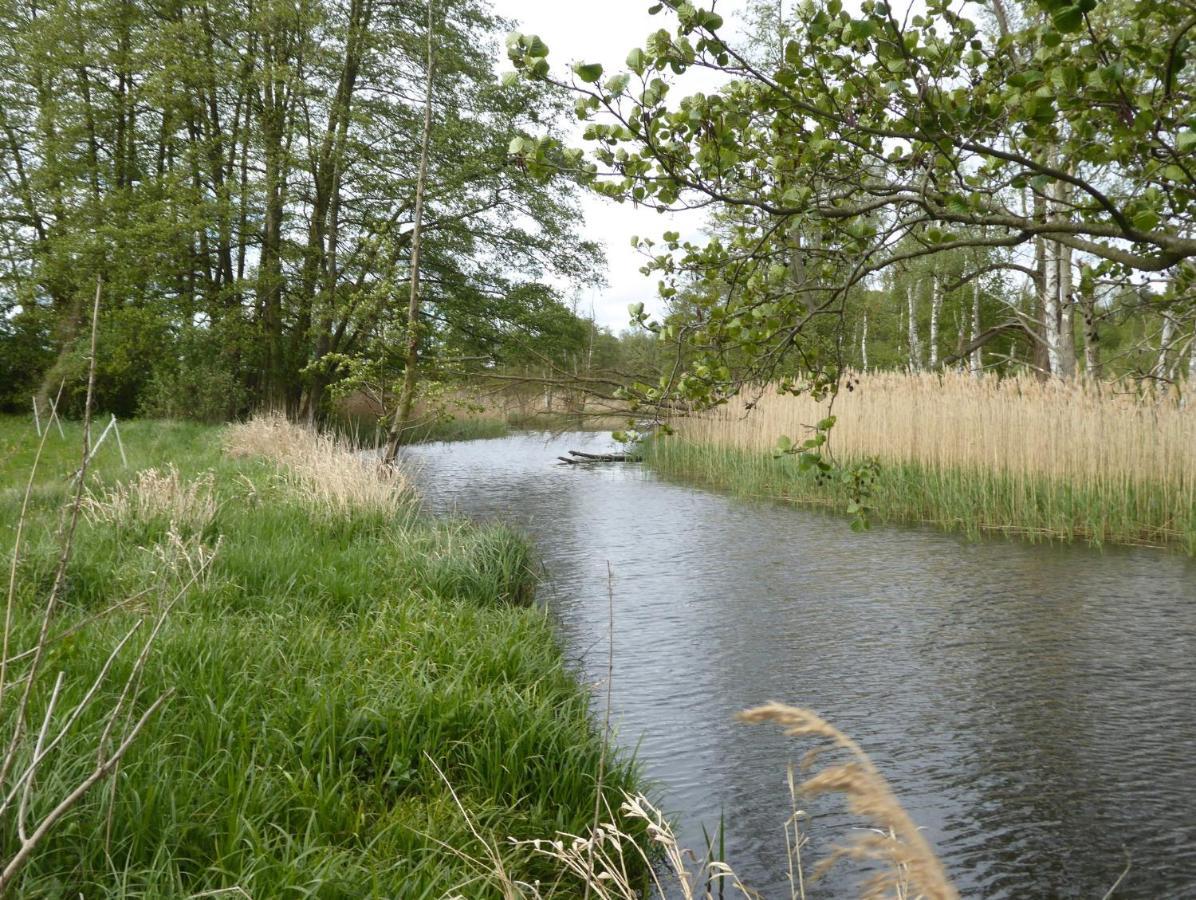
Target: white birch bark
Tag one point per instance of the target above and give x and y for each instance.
(1067, 329)
(864, 344)
(977, 362)
(915, 343)
(1091, 336)
(936, 306)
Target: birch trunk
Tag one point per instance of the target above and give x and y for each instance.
(1165, 339)
(915, 343)
(1091, 335)
(1067, 329)
(1051, 291)
(936, 307)
(864, 344)
(977, 360)
(407, 398)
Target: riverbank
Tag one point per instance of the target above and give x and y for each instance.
(1048, 462)
(366, 703)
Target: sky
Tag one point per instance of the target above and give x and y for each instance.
(604, 31)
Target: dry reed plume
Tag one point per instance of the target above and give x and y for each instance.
(324, 469)
(1084, 434)
(156, 496)
(602, 862)
(910, 866)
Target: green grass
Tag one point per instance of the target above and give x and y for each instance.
(971, 501)
(320, 670)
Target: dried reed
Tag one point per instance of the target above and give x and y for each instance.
(156, 495)
(910, 866)
(324, 470)
(1021, 426)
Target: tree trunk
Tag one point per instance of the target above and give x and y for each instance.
(407, 398)
(1087, 302)
(915, 343)
(1067, 328)
(864, 344)
(1165, 339)
(977, 357)
(936, 308)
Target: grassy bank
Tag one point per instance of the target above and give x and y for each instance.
(339, 663)
(1044, 461)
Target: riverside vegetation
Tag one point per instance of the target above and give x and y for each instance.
(361, 694)
(1050, 460)
(353, 699)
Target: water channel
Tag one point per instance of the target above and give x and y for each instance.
(1033, 706)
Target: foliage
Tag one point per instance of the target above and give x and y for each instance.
(870, 141)
(244, 170)
(334, 661)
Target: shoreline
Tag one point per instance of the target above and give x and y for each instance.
(366, 700)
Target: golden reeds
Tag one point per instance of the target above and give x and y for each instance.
(1014, 425)
(602, 861)
(324, 469)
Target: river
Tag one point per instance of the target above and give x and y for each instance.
(1033, 706)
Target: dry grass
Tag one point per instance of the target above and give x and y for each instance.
(324, 470)
(156, 495)
(909, 866)
(1017, 425)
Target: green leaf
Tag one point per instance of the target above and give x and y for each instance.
(1185, 141)
(1068, 20)
(588, 72)
(637, 61)
(1175, 173)
(1145, 220)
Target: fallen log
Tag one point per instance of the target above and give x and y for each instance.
(578, 458)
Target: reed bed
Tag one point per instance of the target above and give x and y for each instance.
(324, 468)
(1057, 460)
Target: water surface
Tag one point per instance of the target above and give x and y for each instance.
(1031, 705)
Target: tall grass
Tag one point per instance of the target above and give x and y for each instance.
(341, 659)
(1058, 460)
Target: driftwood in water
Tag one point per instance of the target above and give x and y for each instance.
(577, 458)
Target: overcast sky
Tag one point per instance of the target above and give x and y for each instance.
(604, 31)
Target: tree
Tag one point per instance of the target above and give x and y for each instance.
(876, 142)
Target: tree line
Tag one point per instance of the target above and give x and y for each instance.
(238, 177)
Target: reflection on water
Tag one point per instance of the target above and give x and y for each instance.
(1031, 705)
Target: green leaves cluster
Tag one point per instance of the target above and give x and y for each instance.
(867, 140)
